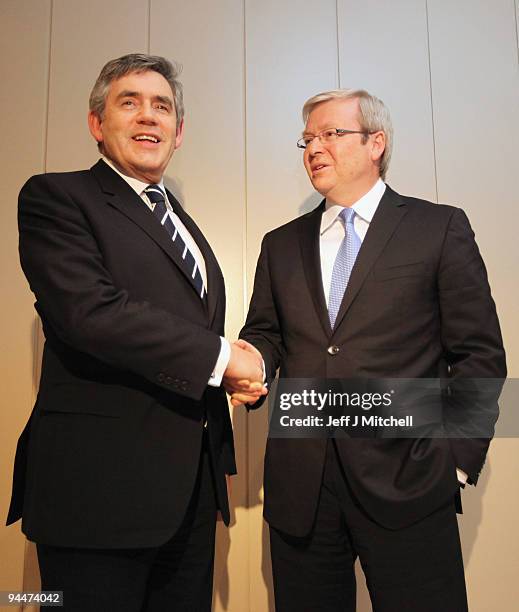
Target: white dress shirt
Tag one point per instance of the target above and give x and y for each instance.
(139, 187)
(332, 229)
(332, 233)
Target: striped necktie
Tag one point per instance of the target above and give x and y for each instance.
(158, 198)
(343, 264)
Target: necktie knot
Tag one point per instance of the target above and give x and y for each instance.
(347, 215)
(155, 194)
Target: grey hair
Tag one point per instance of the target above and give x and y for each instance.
(373, 116)
(136, 62)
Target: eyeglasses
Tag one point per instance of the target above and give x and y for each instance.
(328, 136)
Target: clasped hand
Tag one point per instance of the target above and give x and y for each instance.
(243, 378)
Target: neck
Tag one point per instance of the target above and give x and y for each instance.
(145, 177)
(353, 194)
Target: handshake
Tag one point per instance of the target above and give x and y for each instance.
(243, 378)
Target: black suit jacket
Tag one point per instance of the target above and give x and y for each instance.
(418, 305)
(111, 452)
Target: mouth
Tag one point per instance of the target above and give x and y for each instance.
(317, 168)
(147, 138)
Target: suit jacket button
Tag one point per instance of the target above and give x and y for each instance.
(161, 377)
(333, 350)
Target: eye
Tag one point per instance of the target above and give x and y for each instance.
(162, 107)
(128, 103)
(329, 134)
(307, 139)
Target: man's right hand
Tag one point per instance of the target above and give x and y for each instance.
(244, 367)
(244, 389)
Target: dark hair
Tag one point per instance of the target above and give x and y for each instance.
(136, 62)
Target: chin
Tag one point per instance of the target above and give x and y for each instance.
(321, 187)
(151, 170)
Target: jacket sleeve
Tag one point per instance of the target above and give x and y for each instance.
(78, 300)
(473, 346)
(262, 327)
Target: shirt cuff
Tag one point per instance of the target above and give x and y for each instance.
(215, 380)
(462, 477)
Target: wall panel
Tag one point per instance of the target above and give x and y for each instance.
(23, 97)
(476, 100)
(85, 35)
(291, 54)
(208, 175)
(475, 88)
(383, 48)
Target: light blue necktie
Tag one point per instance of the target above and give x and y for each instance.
(343, 264)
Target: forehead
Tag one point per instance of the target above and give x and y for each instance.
(334, 113)
(148, 83)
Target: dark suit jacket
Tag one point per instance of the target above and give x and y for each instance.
(111, 452)
(418, 305)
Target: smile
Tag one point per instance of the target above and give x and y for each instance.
(146, 137)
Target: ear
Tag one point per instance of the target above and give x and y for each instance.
(179, 137)
(378, 145)
(94, 125)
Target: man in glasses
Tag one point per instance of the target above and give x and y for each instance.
(369, 285)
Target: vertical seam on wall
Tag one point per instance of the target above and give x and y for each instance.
(338, 43)
(432, 99)
(245, 213)
(516, 29)
(148, 42)
(245, 287)
(47, 96)
(36, 324)
(36, 339)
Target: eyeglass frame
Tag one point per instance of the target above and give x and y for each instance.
(338, 132)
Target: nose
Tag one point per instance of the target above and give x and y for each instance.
(147, 114)
(315, 146)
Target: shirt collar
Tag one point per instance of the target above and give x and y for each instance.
(137, 185)
(364, 208)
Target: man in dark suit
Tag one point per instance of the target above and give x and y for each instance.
(369, 285)
(122, 467)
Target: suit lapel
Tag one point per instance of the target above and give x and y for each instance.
(388, 215)
(122, 197)
(309, 230)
